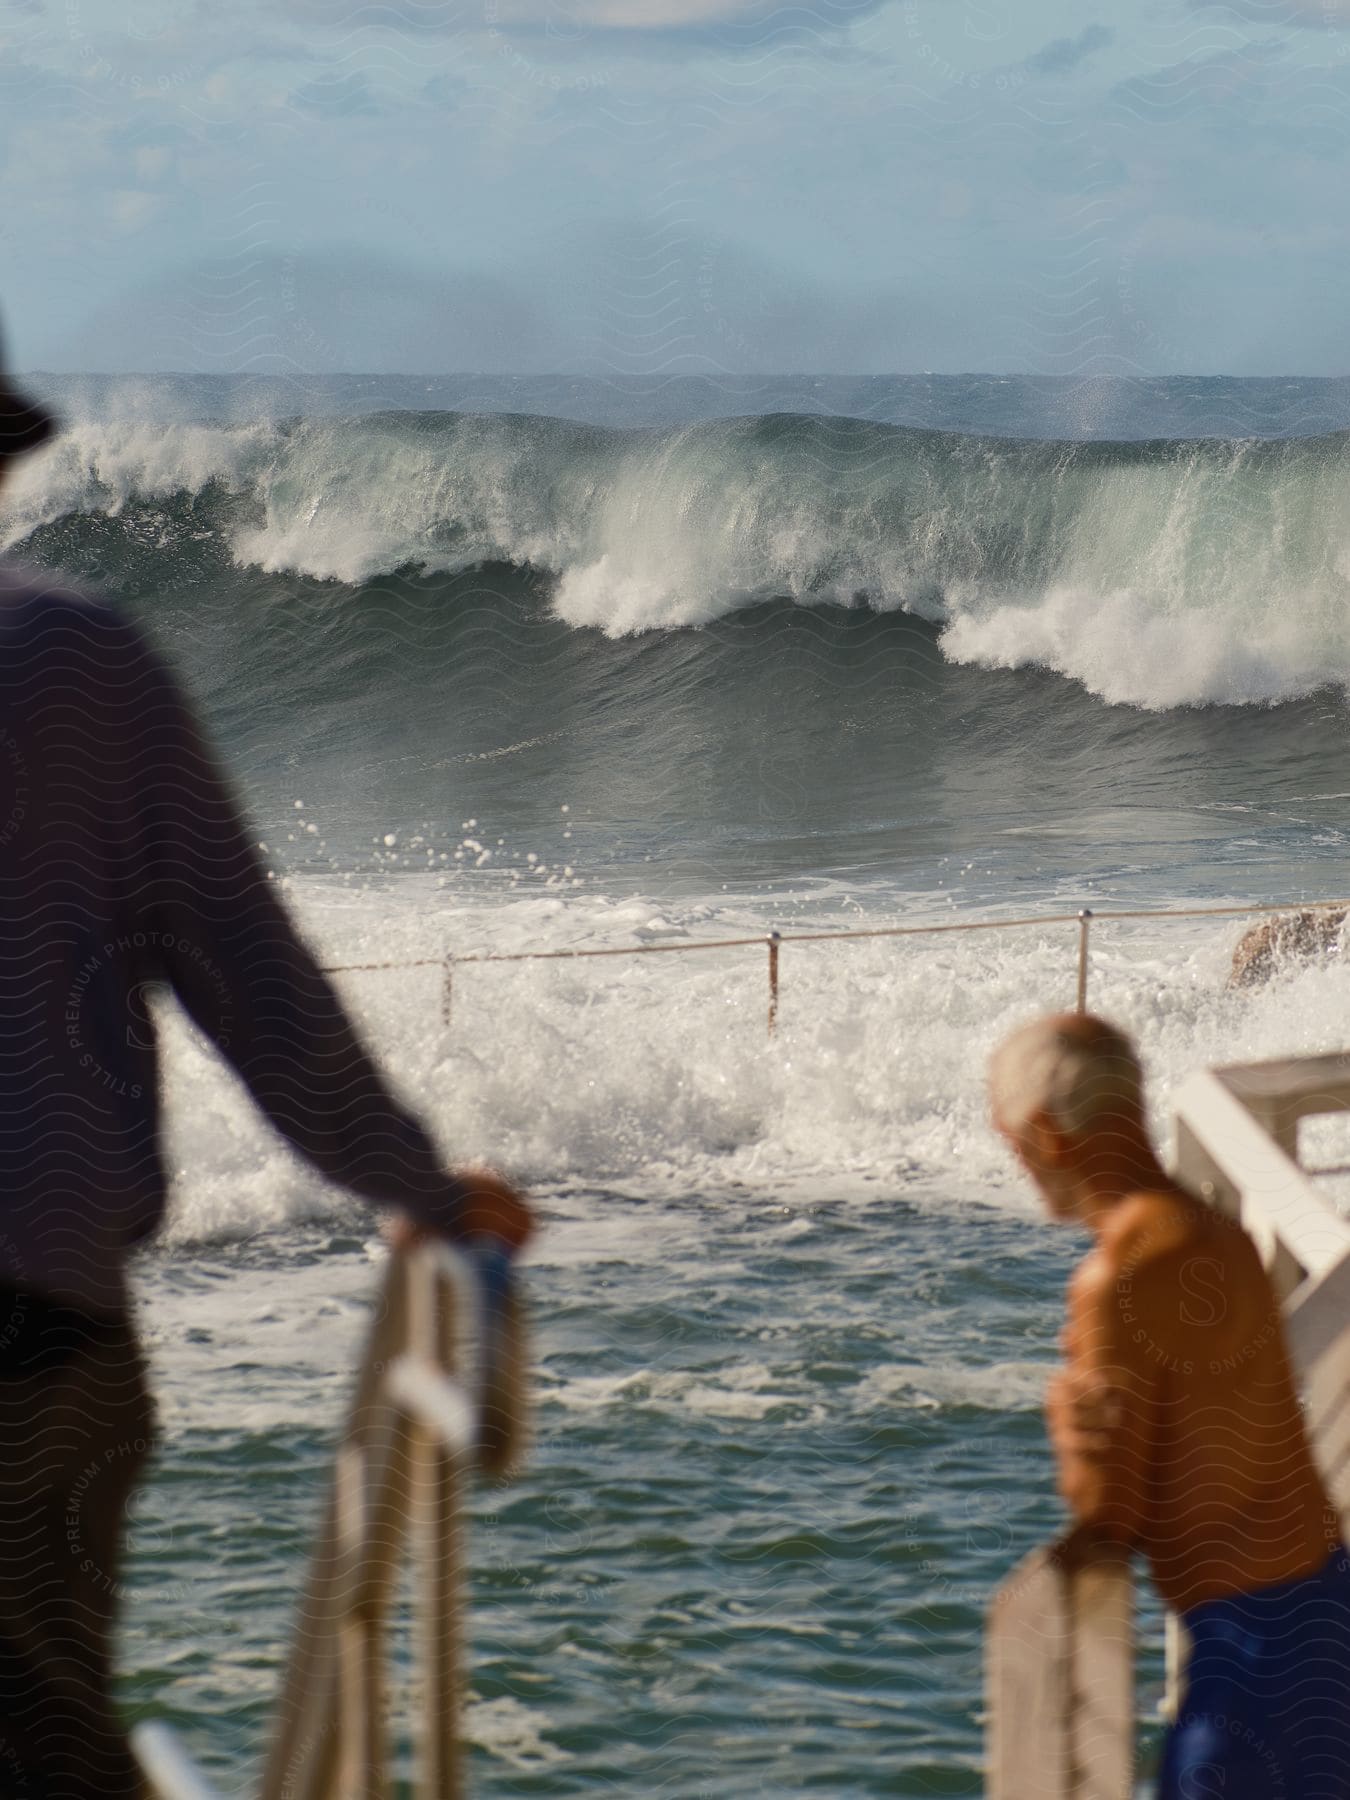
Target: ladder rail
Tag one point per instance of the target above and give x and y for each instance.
(414, 1433)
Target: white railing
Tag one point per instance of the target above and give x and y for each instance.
(1059, 1672)
(437, 1396)
(1059, 1647)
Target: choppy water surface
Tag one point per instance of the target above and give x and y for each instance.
(774, 1484)
(542, 669)
(776, 1481)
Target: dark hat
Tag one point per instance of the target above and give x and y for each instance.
(23, 424)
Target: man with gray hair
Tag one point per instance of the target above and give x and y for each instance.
(1177, 1429)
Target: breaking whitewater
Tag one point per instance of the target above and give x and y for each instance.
(1158, 573)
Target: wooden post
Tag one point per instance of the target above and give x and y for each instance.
(438, 1469)
(1177, 1650)
(1060, 1681)
(440, 1604)
(773, 941)
(360, 1716)
(1027, 1686)
(407, 1456)
(1100, 1599)
(304, 1746)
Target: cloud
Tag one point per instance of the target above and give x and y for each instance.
(563, 25)
(560, 18)
(344, 309)
(1062, 55)
(625, 15)
(1242, 94)
(336, 96)
(406, 18)
(1326, 14)
(699, 306)
(129, 209)
(153, 161)
(644, 298)
(446, 91)
(727, 23)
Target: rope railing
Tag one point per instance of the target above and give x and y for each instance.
(1084, 919)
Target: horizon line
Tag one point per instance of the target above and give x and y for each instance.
(661, 380)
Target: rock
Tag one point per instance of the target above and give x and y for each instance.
(1285, 938)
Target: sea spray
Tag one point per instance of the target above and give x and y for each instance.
(656, 1074)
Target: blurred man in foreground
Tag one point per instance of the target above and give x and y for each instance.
(124, 862)
(1177, 1429)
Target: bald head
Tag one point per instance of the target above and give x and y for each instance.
(1073, 1068)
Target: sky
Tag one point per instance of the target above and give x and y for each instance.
(657, 187)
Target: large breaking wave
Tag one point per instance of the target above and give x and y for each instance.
(1157, 574)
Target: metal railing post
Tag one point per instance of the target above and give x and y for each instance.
(774, 940)
(1084, 927)
(447, 991)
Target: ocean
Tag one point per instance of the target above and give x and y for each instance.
(507, 665)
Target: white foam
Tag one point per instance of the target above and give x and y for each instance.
(655, 1076)
(736, 1391)
(101, 468)
(998, 1388)
(266, 1351)
(1129, 650)
(512, 1732)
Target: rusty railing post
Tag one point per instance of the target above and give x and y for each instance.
(773, 940)
(447, 989)
(1084, 927)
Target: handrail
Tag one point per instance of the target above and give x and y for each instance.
(436, 1396)
(1084, 919)
(167, 1767)
(1059, 1678)
(1060, 1655)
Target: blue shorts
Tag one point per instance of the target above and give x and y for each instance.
(1267, 1709)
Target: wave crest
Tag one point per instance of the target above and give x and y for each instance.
(1157, 574)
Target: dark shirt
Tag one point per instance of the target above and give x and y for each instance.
(124, 863)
